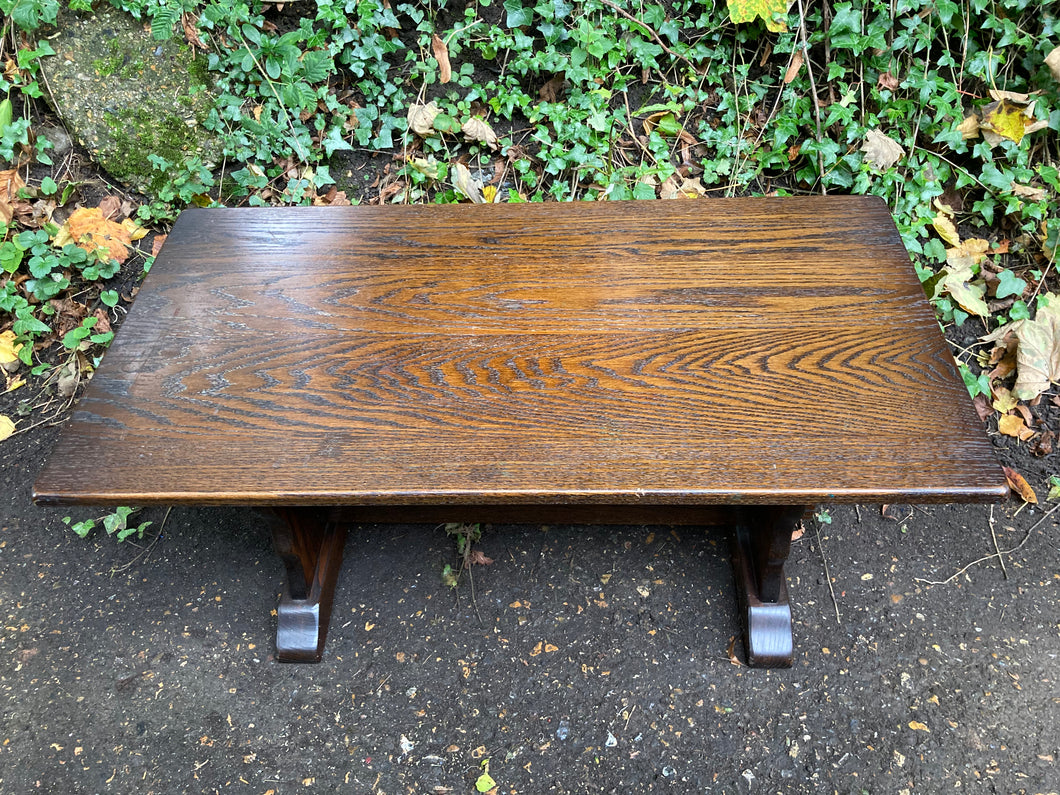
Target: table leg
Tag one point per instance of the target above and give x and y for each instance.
(763, 538)
(311, 550)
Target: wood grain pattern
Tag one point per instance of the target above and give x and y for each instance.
(763, 351)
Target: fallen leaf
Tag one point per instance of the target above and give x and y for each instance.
(797, 61)
(1006, 119)
(477, 558)
(917, 726)
(1012, 425)
(552, 91)
(1038, 354)
(687, 188)
(1044, 446)
(883, 152)
(1028, 192)
(476, 129)
(421, 118)
(1000, 95)
(92, 232)
(10, 184)
(1004, 401)
(888, 81)
(156, 244)
(9, 350)
(1052, 60)
(798, 532)
(110, 207)
(958, 282)
(466, 184)
(7, 427)
(969, 128)
(983, 407)
(428, 166)
(1019, 485)
(974, 248)
(946, 229)
(441, 54)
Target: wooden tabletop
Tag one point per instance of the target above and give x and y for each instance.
(682, 352)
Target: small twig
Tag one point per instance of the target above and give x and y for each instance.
(629, 716)
(648, 28)
(813, 92)
(827, 576)
(158, 535)
(1016, 548)
(997, 549)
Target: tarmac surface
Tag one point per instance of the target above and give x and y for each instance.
(581, 660)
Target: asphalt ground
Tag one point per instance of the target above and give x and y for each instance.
(581, 660)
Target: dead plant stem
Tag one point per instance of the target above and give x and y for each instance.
(827, 574)
(816, 104)
(997, 549)
(998, 554)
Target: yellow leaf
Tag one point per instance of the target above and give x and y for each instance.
(489, 193)
(1004, 402)
(769, 10)
(136, 232)
(917, 726)
(946, 229)
(1006, 120)
(8, 347)
(1012, 425)
(7, 427)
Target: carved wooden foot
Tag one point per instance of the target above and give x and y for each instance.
(311, 550)
(763, 538)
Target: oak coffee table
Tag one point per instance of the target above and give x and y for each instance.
(683, 362)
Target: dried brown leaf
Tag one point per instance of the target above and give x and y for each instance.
(478, 558)
(441, 54)
(1038, 354)
(888, 81)
(969, 128)
(476, 129)
(156, 244)
(1052, 60)
(110, 207)
(1020, 486)
(421, 118)
(552, 91)
(982, 407)
(10, 184)
(1028, 192)
(467, 185)
(882, 151)
(797, 61)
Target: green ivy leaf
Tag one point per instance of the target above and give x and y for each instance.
(1009, 284)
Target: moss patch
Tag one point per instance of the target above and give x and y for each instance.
(130, 100)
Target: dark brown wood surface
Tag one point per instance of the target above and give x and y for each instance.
(745, 351)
